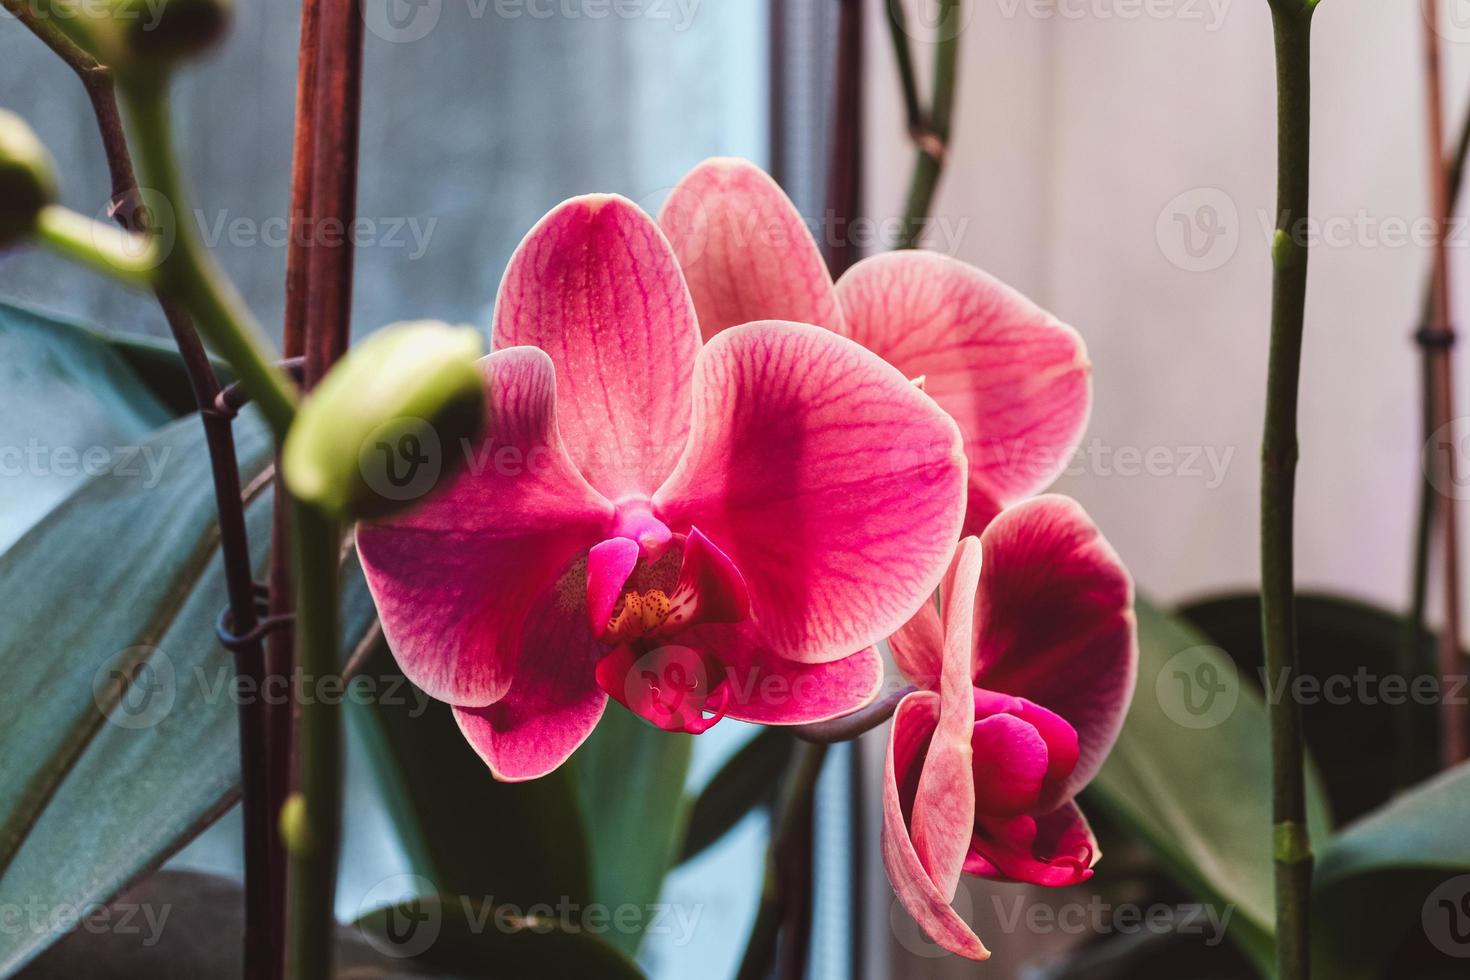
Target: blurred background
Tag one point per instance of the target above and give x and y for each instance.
(1113, 159)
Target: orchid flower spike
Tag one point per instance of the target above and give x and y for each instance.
(696, 529)
(1015, 378)
(1026, 678)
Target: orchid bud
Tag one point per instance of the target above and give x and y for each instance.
(27, 178)
(385, 427)
(140, 35)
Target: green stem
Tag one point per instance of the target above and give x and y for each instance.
(932, 136)
(313, 840)
(1291, 846)
(190, 275)
(106, 248)
(793, 811)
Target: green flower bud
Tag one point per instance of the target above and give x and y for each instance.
(27, 178)
(132, 35)
(385, 426)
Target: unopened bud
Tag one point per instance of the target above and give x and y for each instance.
(27, 178)
(384, 427)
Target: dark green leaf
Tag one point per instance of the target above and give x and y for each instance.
(1394, 887)
(1190, 776)
(117, 713)
(477, 939)
(467, 833)
(159, 366)
(1355, 697)
(631, 776)
(68, 404)
(747, 781)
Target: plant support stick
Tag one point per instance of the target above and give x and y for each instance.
(1291, 846)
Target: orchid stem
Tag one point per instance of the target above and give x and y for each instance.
(313, 844)
(1290, 844)
(929, 131)
(106, 248)
(793, 813)
(187, 273)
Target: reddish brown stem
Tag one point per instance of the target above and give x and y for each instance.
(1454, 732)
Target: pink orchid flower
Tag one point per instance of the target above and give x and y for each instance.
(1026, 681)
(696, 529)
(1015, 378)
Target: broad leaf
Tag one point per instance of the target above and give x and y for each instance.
(1394, 887)
(631, 776)
(468, 834)
(70, 405)
(1356, 699)
(1190, 776)
(117, 714)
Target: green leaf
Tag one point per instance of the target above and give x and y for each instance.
(1403, 871)
(468, 834)
(158, 365)
(1190, 777)
(747, 781)
(117, 713)
(631, 776)
(456, 937)
(1352, 691)
(68, 404)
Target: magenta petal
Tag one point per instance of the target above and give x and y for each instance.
(835, 486)
(1015, 378)
(918, 647)
(554, 702)
(454, 578)
(1054, 850)
(1010, 765)
(768, 689)
(745, 250)
(597, 287)
(913, 725)
(1056, 626)
(609, 564)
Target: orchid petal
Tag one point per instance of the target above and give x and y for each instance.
(913, 725)
(944, 802)
(1054, 850)
(834, 485)
(746, 252)
(1015, 378)
(454, 578)
(918, 647)
(554, 702)
(1056, 626)
(596, 285)
(609, 564)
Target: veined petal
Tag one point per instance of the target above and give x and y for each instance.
(1054, 850)
(1056, 626)
(913, 726)
(745, 250)
(943, 815)
(554, 702)
(1015, 378)
(772, 690)
(918, 647)
(596, 285)
(454, 578)
(835, 486)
